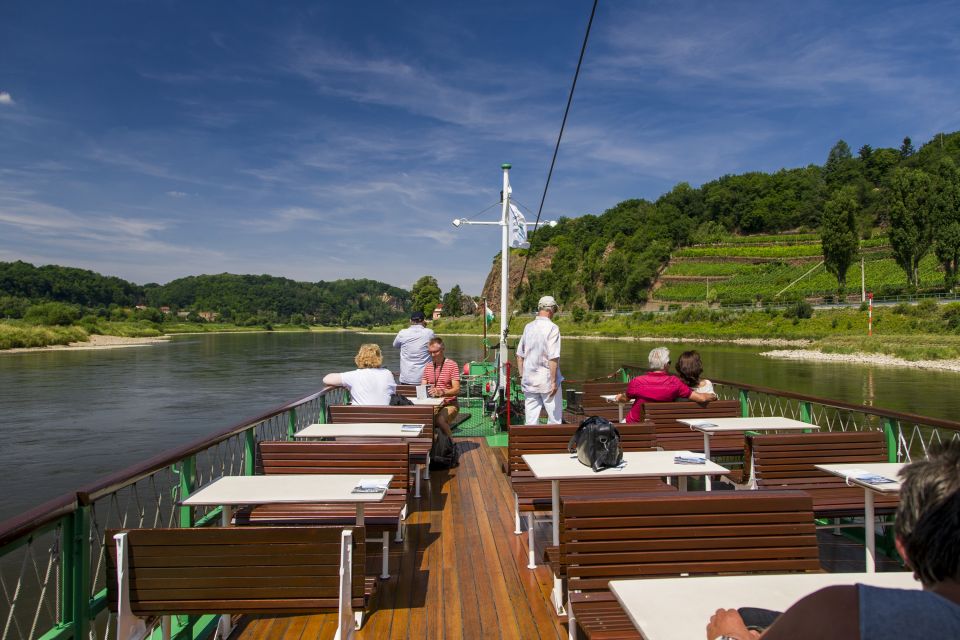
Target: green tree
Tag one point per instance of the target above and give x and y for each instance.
(909, 207)
(838, 234)
(453, 302)
(840, 166)
(425, 294)
(947, 219)
(906, 149)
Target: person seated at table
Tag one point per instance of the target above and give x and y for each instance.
(928, 539)
(442, 375)
(370, 383)
(658, 385)
(689, 369)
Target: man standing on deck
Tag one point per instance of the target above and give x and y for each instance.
(538, 361)
(414, 354)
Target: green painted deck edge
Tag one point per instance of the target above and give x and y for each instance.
(498, 440)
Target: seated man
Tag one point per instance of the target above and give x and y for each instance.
(658, 386)
(927, 538)
(444, 376)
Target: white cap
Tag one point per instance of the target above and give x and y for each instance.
(547, 301)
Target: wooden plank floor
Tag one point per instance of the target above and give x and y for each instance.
(460, 572)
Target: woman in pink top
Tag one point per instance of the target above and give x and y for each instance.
(658, 386)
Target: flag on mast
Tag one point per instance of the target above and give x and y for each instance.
(518, 229)
(488, 314)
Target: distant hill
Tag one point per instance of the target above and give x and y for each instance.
(234, 297)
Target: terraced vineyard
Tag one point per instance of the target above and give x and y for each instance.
(752, 268)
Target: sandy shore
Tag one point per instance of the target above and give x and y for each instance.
(95, 342)
(864, 358)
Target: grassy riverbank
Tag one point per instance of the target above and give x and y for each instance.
(920, 332)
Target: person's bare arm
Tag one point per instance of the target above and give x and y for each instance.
(332, 380)
(832, 613)
(554, 367)
(520, 366)
(696, 396)
(454, 389)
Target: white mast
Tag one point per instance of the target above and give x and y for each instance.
(504, 223)
(504, 275)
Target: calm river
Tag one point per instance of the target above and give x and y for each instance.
(69, 417)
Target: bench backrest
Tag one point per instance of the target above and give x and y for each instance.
(664, 416)
(787, 460)
(277, 457)
(407, 390)
(234, 569)
(406, 414)
(526, 439)
(641, 535)
(593, 390)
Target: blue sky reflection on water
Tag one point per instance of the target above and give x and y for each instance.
(324, 140)
(67, 418)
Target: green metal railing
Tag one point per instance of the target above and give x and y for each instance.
(908, 435)
(52, 562)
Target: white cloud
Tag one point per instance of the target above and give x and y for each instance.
(6, 98)
(177, 194)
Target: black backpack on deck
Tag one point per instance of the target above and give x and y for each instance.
(597, 443)
(443, 453)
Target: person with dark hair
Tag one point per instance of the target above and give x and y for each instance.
(928, 539)
(689, 369)
(442, 375)
(412, 343)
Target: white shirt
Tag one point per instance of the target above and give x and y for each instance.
(369, 386)
(414, 355)
(539, 344)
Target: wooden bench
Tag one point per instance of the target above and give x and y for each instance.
(531, 495)
(228, 570)
(594, 405)
(406, 414)
(677, 436)
(407, 390)
(786, 461)
(657, 535)
(336, 458)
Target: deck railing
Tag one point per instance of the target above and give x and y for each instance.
(52, 564)
(908, 435)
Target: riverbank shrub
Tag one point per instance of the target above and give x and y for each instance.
(53, 314)
(13, 336)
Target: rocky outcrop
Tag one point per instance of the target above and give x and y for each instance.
(537, 263)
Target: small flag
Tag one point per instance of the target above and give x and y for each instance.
(488, 314)
(518, 229)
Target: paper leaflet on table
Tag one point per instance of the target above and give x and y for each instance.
(865, 476)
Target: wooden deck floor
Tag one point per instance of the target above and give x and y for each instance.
(460, 572)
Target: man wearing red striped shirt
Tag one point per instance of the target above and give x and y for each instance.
(444, 374)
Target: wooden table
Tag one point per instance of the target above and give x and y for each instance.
(432, 402)
(680, 608)
(231, 491)
(366, 430)
(640, 464)
(889, 470)
(612, 397)
(710, 426)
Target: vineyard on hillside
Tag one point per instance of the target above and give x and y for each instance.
(750, 269)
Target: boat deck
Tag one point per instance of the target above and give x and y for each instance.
(461, 571)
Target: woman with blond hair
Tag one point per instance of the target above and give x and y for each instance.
(370, 383)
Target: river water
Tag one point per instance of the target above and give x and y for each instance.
(69, 417)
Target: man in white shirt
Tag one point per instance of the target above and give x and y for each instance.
(414, 352)
(538, 361)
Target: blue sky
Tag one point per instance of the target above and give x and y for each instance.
(153, 140)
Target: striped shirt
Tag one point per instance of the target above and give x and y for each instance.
(441, 376)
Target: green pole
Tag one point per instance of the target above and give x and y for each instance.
(188, 480)
(292, 424)
(249, 451)
(67, 562)
(80, 569)
(806, 412)
(744, 404)
(890, 431)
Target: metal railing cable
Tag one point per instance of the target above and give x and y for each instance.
(563, 124)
